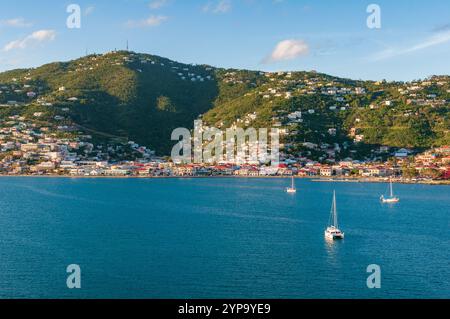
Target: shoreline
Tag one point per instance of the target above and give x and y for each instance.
(315, 179)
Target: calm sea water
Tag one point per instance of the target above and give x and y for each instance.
(219, 238)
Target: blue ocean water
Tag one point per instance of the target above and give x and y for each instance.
(219, 238)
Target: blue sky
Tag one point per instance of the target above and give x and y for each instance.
(324, 35)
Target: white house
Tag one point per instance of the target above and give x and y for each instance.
(402, 153)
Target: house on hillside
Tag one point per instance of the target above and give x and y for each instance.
(402, 153)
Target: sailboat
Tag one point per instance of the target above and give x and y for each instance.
(292, 189)
(333, 231)
(391, 199)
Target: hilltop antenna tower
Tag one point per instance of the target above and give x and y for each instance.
(127, 45)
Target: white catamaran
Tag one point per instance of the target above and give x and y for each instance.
(292, 189)
(333, 231)
(391, 199)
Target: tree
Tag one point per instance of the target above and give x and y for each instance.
(432, 173)
(409, 172)
(163, 103)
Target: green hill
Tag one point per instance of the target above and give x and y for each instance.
(143, 98)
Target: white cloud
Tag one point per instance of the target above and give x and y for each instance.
(157, 4)
(16, 23)
(432, 41)
(34, 38)
(220, 7)
(152, 21)
(89, 10)
(288, 50)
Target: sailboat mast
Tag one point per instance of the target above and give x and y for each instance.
(292, 182)
(335, 221)
(392, 192)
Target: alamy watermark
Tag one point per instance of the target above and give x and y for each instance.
(210, 145)
(74, 279)
(74, 19)
(374, 19)
(374, 280)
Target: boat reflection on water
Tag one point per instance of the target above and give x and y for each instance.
(332, 248)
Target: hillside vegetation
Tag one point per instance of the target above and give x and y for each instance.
(140, 97)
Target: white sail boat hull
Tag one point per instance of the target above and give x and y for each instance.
(334, 233)
(389, 200)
